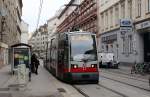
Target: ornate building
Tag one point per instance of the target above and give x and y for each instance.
(83, 17)
(10, 29)
(125, 29)
(39, 40)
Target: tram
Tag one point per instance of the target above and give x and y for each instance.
(72, 57)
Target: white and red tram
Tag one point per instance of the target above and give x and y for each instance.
(72, 57)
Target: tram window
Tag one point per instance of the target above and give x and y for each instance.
(83, 47)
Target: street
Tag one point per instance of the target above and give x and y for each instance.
(52, 48)
(116, 85)
(111, 84)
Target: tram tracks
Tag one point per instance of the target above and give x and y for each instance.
(129, 76)
(82, 90)
(121, 94)
(126, 83)
(100, 86)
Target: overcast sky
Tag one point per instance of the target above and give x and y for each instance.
(31, 9)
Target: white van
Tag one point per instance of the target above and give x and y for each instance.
(107, 60)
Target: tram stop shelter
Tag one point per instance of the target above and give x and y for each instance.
(20, 54)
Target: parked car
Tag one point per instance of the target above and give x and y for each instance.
(107, 60)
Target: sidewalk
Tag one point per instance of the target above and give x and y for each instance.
(127, 70)
(40, 85)
(5, 75)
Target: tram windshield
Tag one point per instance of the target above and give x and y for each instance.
(83, 48)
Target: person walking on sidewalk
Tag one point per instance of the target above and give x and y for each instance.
(36, 66)
(33, 62)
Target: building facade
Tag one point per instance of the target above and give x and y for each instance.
(142, 28)
(82, 17)
(10, 30)
(24, 34)
(120, 29)
(39, 40)
(52, 25)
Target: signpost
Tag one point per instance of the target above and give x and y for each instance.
(125, 26)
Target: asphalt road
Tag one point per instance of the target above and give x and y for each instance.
(115, 85)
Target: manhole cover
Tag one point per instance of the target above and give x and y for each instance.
(5, 95)
(61, 90)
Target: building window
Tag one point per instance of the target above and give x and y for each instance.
(123, 39)
(111, 17)
(138, 8)
(116, 15)
(122, 9)
(106, 20)
(148, 5)
(102, 21)
(130, 8)
(130, 43)
(107, 48)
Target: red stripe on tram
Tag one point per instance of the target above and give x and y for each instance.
(81, 69)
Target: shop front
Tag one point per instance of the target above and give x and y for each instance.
(108, 43)
(3, 54)
(120, 42)
(143, 30)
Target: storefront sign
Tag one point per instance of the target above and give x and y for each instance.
(142, 25)
(124, 30)
(110, 38)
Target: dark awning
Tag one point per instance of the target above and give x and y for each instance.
(21, 44)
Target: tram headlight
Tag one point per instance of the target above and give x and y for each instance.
(93, 65)
(74, 66)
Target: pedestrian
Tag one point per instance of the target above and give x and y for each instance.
(36, 66)
(33, 63)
